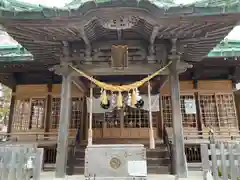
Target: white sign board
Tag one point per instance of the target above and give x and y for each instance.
(190, 106)
(137, 168)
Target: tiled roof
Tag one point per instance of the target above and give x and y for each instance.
(227, 48)
(10, 50)
(22, 10)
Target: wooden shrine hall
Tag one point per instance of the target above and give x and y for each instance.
(80, 50)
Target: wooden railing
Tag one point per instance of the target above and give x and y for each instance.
(193, 139)
(32, 137)
(197, 137)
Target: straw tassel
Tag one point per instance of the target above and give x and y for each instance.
(119, 100)
(104, 98)
(134, 97)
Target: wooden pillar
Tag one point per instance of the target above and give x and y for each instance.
(11, 112)
(48, 109)
(151, 135)
(85, 119)
(178, 139)
(90, 117)
(65, 115)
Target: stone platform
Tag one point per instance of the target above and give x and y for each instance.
(193, 175)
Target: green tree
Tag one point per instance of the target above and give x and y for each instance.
(5, 101)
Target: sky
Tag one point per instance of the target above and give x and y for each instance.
(61, 3)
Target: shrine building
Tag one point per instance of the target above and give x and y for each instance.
(76, 67)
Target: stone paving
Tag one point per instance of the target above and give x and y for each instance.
(193, 175)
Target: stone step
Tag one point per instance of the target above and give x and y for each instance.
(161, 154)
(151, 170)
(150, 161)
(158, 170)
(157, 154)
(158, 160)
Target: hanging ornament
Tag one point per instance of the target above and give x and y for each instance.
(119, 100)
(139, 104)
(104, 98)
(113, 100)
(105, 106)
(134, 97)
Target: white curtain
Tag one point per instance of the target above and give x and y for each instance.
(98, 109)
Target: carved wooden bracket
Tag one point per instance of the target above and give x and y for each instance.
(62, 69)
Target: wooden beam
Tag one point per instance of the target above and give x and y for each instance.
(88, 48)
(159, 84)
(119, 34)
(154, 34)
(90, 133)
(147, 69)
(48, 108)
(77, 82)
(11, 112)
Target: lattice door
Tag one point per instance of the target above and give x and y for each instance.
(227, 111)
(29, 114)
(77, 110)
(218, 111)
(76, 115)
(113, 119)
(208, 111)
(21, 115)
(37, 113)
(138, 118)
(97, 120)
(189, 120)
(55, 116)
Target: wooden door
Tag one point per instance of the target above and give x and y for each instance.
(129, 123)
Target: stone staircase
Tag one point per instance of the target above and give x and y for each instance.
(158, 161)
